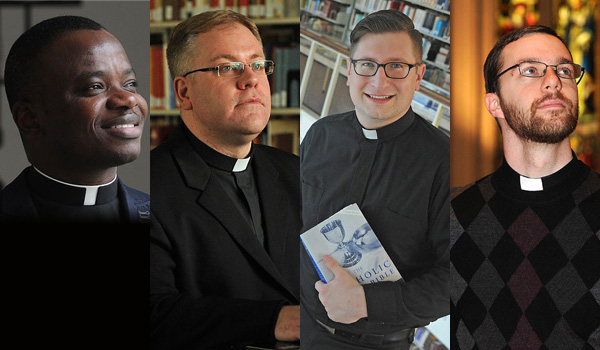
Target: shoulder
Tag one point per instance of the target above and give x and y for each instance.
(15, 200)
(282, 160)
(433, 135)
(136, 195)
(333, 122)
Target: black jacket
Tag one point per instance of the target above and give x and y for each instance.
(211, 282)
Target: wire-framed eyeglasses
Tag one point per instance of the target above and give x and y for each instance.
(393, 70)
(234, 69)
(535, 69)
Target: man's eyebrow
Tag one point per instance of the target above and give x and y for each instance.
(234, 58)
(101, 73)
(538, 59)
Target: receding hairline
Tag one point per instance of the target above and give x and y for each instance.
(562, 60)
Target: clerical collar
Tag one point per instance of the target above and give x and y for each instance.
(62, 192)
(389, 131)
(216, 159)
(561, 182)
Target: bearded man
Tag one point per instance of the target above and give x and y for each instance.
(525, 240)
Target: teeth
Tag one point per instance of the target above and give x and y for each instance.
(379, 97)
(121, 126)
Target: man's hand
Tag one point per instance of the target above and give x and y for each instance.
(287, 327)
(343, 297)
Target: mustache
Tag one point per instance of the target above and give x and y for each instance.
(557, 95)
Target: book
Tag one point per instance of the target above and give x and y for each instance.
(347, 237)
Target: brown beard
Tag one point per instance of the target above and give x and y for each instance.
(551, 128)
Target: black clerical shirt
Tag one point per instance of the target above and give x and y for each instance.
(399, 177)
(237, 179)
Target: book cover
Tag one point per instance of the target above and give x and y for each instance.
(347, 237)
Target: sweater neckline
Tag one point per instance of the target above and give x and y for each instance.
(564, 181)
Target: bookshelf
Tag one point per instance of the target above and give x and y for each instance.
(324, 42)
(278, 23)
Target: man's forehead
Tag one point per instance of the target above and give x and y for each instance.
(537, 47)
(228, 42)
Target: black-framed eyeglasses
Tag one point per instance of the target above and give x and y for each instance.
(393, 70)
(234, 69)
(535, 69)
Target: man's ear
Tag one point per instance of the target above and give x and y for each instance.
(349, 66)
(420, 69)
(28, 118)
(182, 92)
(492, 103)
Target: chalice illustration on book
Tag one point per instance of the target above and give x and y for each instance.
(365, 239)
(345, 254)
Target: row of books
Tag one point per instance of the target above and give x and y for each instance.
(436, 52)
(443, 5)
(427, 21)
(285, 80)
(439, 78)
(329, 9)
(376, 5)
(424, 340)
(161, 85)
(321, 26)
(175, 10)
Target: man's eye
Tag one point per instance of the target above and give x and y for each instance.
(133, 84)
(367, 64)
(565, 71)
(529, 70)
(95, 87)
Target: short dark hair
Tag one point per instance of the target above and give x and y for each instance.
(23, 60)
(181, 50)
(387, 21)
(493, 62)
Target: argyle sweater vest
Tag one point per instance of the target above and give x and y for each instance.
(525, 266)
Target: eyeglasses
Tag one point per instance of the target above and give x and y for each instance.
(234, 69)
(534, 69)
(394, 70)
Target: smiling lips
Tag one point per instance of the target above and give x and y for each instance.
(124, 126)
(380, 97)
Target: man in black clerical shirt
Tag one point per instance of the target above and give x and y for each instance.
(225, 227)
(395, 166)
(72, 93)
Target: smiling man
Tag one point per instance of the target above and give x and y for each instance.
(525, 240)
(395, 166)
(224, 236)
(72, 93)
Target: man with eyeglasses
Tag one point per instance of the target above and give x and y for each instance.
(224, 235)
(525, 240)
(395, 166)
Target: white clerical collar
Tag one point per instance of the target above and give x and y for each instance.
(531, 184)
(241, 164)
(370, 134)
(91, 192)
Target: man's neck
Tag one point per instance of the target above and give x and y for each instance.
(370, 123)
(536, 160)
(238, 148)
